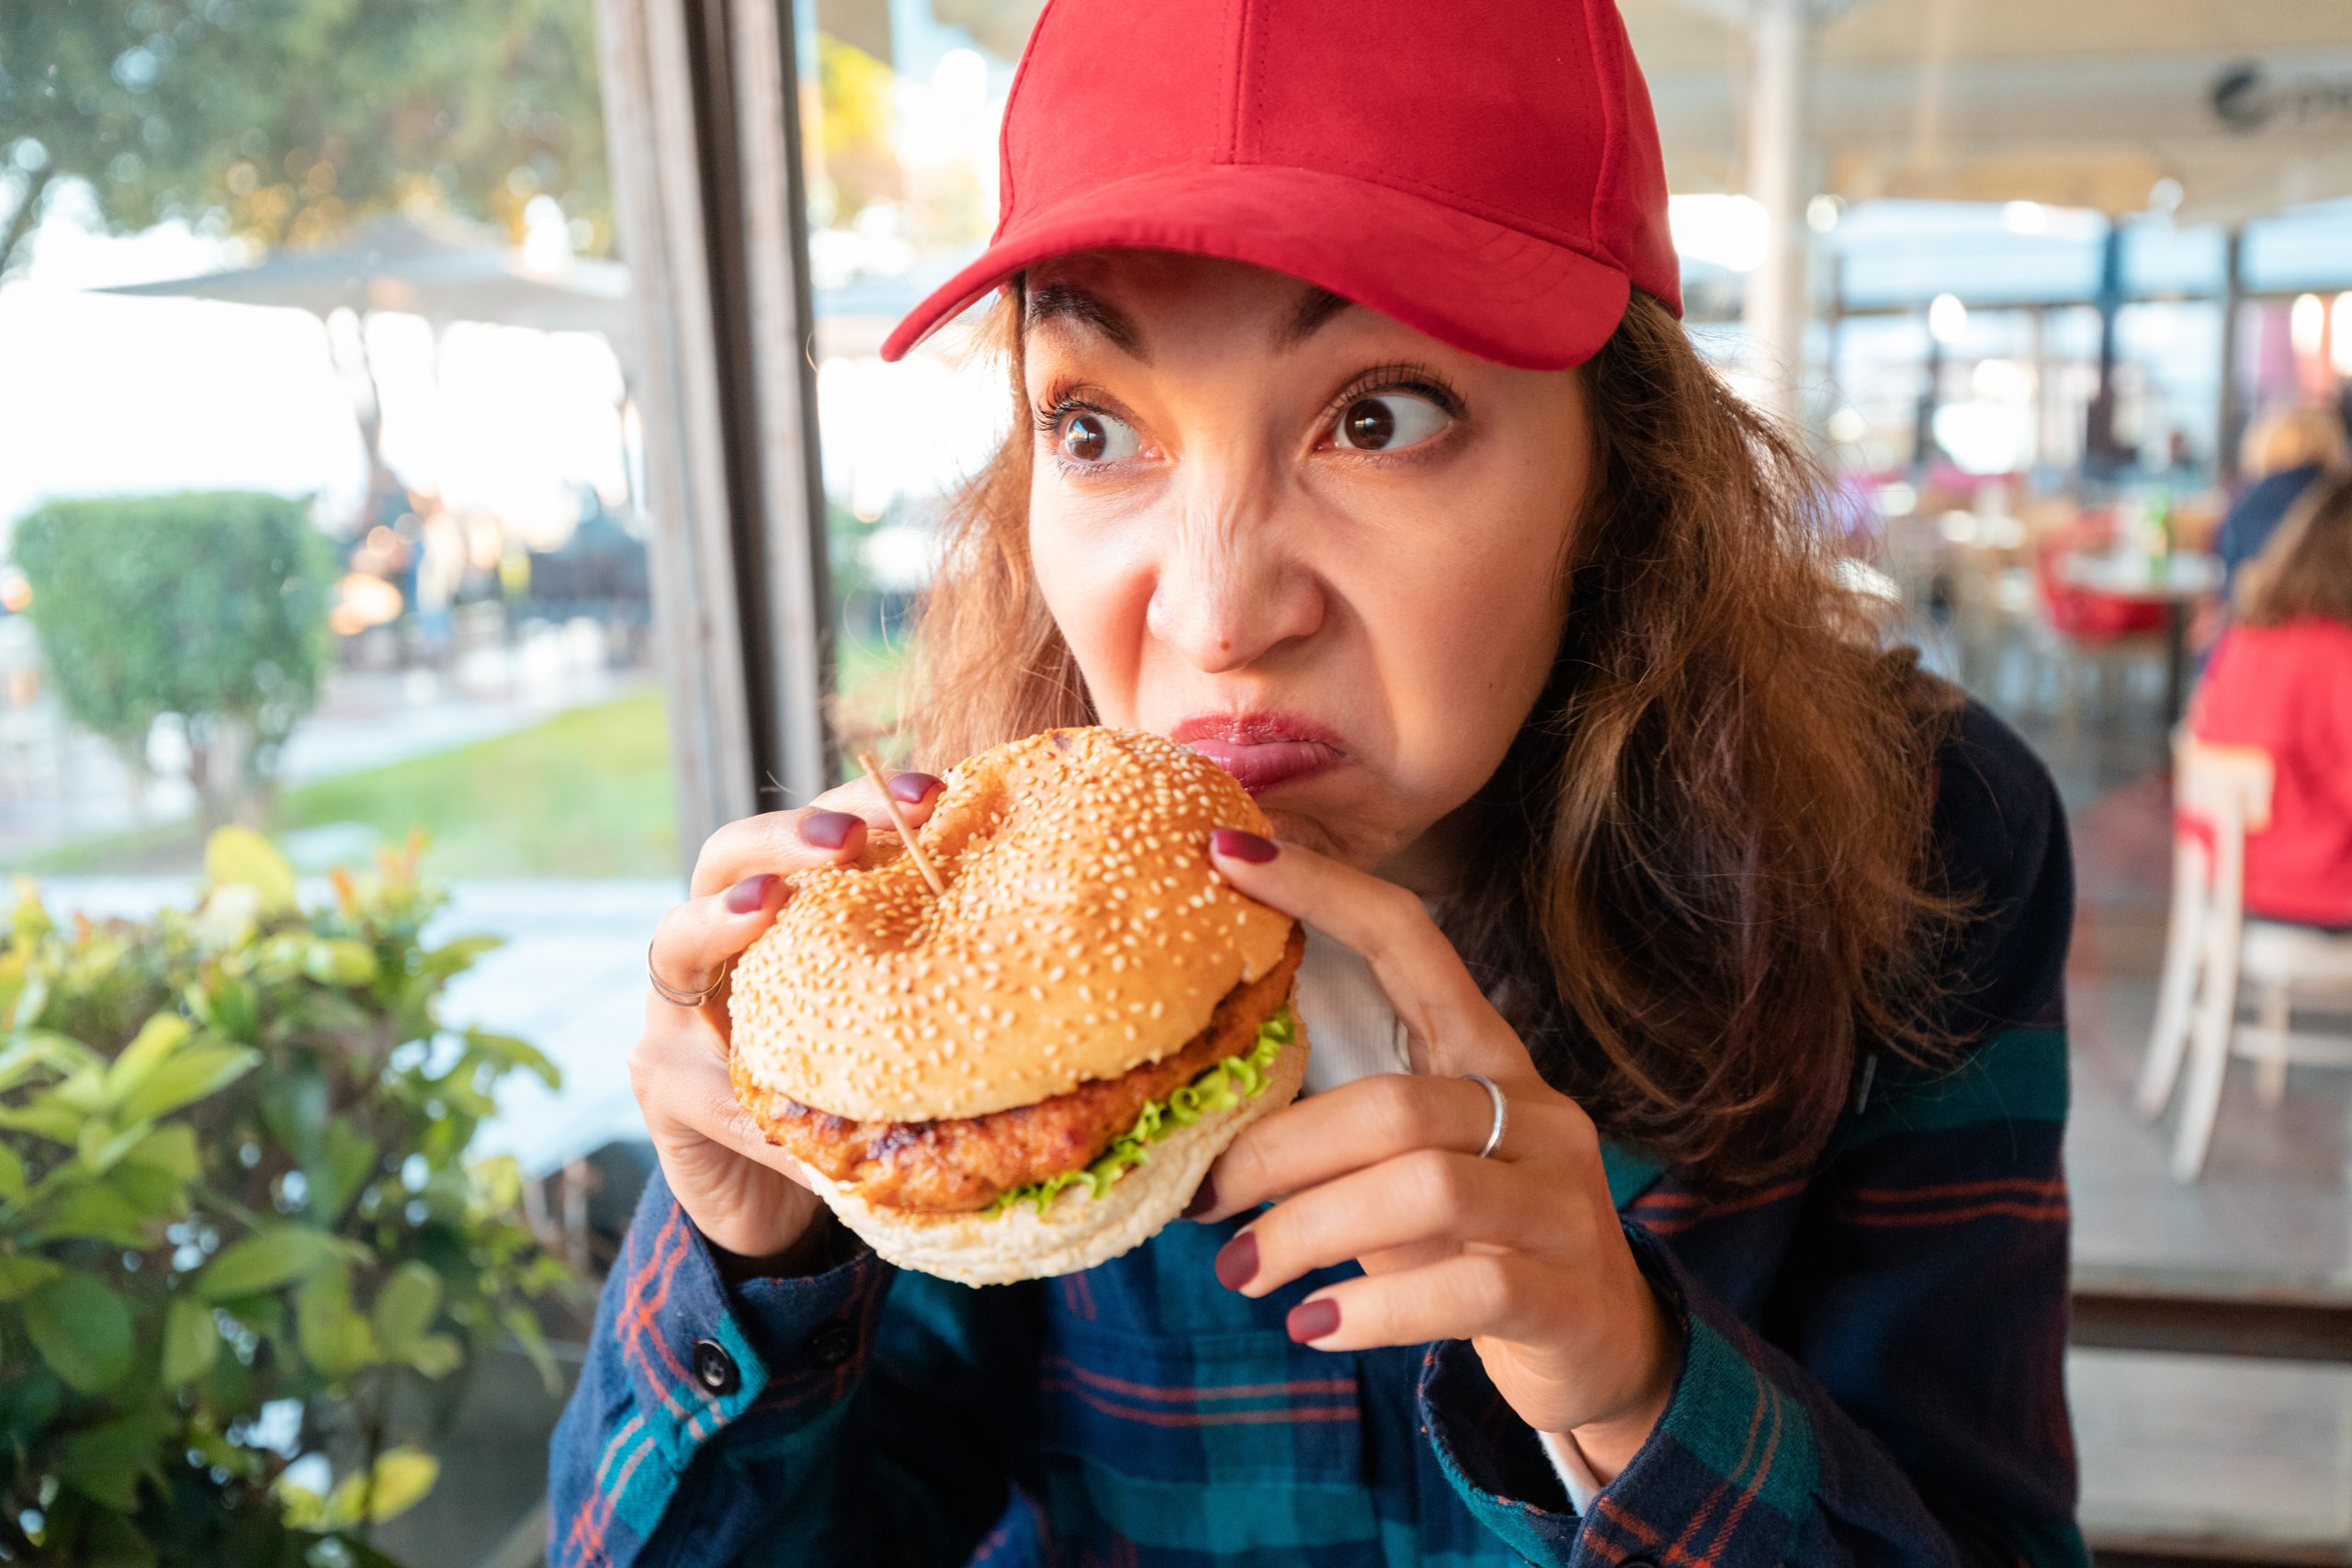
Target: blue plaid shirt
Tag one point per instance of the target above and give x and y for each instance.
(1872, 1371)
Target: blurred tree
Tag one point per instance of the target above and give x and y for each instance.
(209, 608)
(856, 162)
(285, 120)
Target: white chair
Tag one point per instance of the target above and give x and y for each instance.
(2212, 948)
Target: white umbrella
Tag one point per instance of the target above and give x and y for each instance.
(440, 269)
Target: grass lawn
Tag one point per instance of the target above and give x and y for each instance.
(585, 794)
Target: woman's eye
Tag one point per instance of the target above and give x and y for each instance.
(1089, 436)
(1388, 422)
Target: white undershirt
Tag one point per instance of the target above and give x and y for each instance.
(1352, 1033)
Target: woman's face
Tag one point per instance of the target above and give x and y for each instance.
(1311, 542)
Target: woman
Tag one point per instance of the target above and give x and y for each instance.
(2281, 680)
(2284, 455)
(1355, 438)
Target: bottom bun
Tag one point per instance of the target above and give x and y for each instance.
(1075, 1231)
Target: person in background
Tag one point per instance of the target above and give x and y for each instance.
(2284, 453)
(2281, 680)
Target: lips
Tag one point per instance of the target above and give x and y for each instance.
(1262, 749)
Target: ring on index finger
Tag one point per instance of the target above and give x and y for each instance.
(1503, 1112)
(675, 997)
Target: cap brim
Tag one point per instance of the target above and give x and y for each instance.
(1498, 292)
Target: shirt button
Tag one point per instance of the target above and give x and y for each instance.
(715, 1369)
(832, 1345)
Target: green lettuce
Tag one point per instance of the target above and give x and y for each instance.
(1222, 1087)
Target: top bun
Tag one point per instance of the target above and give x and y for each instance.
(1083, 933)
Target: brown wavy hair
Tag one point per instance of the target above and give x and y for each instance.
(1706, 872)
(2305, 571)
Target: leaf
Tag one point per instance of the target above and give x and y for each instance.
(105, 1462)
(44, 1118)
(21, 1274)
(188, 1077)
(336, 1340)
(523, 1324)
(28, 1404)
(239, 857)
(305, 1509)
(83, 1331)
(401, 1478)
(226, 1005)
(340, 961)
(157, 1039)
(436, 1355)
(456, 957)
(294, 1109)
(41, 1048)
(97, 1212)
(341, 1168)
(516, 1053)
(405, 1305)
(112, 1540)
(191, 1341)
(168, 1149)
(100, 1144)
(263, 1261)
(12, 1176)
(84, 1090)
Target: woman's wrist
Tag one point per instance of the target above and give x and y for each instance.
(1609, 1444)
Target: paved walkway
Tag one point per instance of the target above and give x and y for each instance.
(59, 782)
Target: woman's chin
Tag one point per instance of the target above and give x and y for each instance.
(1348, 839)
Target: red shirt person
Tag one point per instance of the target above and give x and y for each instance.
(2281, 680)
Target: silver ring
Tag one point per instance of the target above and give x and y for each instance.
(674, 996)
(1503, 1112)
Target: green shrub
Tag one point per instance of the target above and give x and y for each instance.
(233, 1191)
(210, 607)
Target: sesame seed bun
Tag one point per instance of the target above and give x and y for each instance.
(1082, 933)
(1075, 1231)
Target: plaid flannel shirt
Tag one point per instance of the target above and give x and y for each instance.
(1872, 1368)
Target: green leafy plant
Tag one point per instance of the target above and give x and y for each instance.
(238, 1225)
(210, 607)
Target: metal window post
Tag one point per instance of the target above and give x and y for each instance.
(703, 138)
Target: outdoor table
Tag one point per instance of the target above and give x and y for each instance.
(2177, 581)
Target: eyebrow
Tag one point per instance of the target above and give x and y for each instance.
(1068, 301)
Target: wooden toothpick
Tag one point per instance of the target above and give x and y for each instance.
(899, 820)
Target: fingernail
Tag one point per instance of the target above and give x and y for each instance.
(1236, 1261)
(826, 829)
(1312, 1320)
(1236, 843)
(912, 787)
(1203, 1199)
(751, 893)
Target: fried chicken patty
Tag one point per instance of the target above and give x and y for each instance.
(956, 1165)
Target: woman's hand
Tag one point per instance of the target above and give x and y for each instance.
(744, 1193)
(1520, 1253)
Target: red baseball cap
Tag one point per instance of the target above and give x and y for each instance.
(1485, 172)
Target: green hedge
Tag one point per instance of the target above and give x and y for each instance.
(209, 607)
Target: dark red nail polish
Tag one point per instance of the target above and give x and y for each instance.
(1312, 1320)
(1236, 1261)
(1236, 843)
(751, 893)
(912, 787)
(826, 829)
(1203, 1199)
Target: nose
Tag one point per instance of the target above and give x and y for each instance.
(1229, 586)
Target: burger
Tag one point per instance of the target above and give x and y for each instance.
(1027, 1072)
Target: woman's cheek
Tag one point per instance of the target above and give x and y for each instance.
(1097, 586)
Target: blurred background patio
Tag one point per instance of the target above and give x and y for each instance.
(473, 283)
